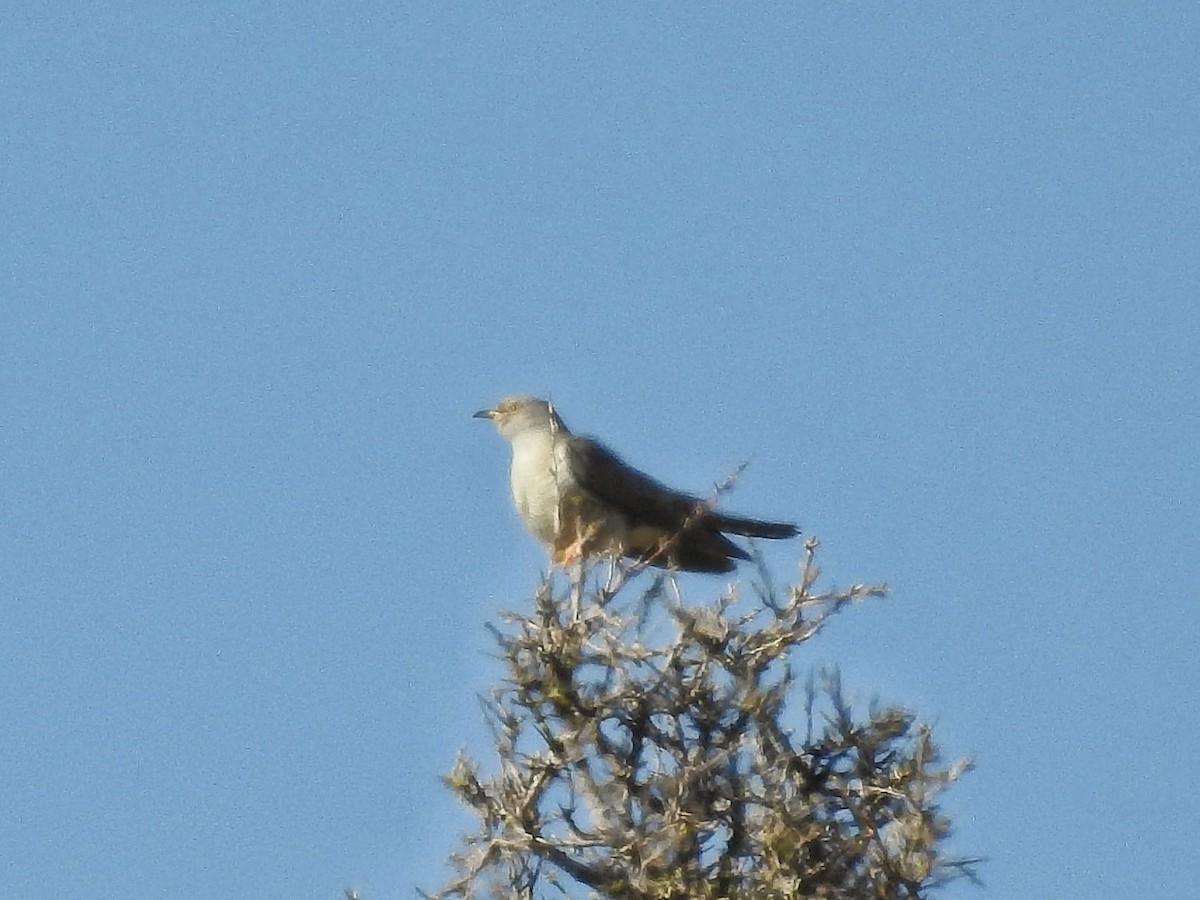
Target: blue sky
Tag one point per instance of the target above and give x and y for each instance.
(931, 267)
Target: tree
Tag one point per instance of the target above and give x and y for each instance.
(643, 752)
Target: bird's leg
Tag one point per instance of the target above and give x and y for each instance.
(566, 547)
(566, 554)
(575, 549)
(569, 554)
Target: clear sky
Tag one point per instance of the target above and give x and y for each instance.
(932, 267)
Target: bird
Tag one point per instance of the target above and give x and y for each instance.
(582, 501)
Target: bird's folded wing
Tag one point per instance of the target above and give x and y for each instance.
(646, 501)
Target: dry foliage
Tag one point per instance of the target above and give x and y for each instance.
(642, 753)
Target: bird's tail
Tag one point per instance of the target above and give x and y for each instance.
(754, 527)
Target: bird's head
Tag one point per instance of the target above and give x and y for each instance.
(514, 415)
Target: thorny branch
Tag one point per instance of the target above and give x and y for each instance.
(643, 753)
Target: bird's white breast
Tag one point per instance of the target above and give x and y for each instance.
(539, 477)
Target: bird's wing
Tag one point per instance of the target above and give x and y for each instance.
(607, 477)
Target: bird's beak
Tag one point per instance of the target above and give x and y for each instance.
(485, 414)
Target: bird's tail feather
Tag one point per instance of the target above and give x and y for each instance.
(755, 527)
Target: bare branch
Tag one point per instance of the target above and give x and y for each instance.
(643, 751)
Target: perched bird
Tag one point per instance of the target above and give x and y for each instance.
(581, 500)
